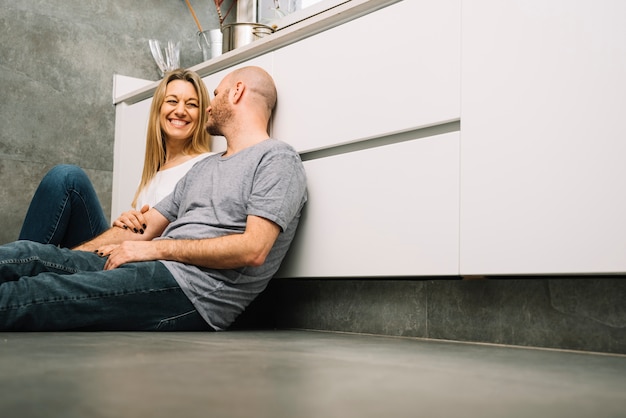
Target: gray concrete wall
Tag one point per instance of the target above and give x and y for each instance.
(57, 61)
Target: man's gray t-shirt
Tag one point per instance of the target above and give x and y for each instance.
(214, 199)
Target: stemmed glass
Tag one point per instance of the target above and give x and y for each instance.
(168, 58)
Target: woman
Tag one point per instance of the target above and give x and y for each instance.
(65, 210)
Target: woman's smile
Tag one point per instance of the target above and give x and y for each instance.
(178, 122)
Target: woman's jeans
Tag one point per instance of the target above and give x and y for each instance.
(46, 288)
(65, 209)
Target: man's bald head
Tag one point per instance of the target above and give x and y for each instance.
(259, 82)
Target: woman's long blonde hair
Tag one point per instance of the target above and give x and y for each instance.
(155, 141)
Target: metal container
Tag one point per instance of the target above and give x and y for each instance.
(240, 34)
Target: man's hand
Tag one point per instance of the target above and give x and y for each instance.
(127, 252)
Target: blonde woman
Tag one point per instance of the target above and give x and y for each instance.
(65, 209)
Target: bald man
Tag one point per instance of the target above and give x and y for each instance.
(207, 250)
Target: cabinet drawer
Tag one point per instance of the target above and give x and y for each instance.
(393, 70)
(386, 211)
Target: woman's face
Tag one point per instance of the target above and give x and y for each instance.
(180, 111)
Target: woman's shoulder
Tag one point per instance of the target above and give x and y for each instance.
(191, 162)
(204, 155)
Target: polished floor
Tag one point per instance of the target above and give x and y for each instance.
(275, 374)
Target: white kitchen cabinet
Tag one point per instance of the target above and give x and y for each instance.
(542, 137)
(531, 184)
(389, 210)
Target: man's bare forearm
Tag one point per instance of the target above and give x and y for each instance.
(226, 252)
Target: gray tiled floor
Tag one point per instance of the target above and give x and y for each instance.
(258, 374)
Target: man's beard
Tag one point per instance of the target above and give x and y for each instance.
(219, 117)
(213, 130)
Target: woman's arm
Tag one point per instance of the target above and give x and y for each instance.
(155, 225)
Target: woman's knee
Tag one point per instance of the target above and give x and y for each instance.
(64, 176)
(65, 171)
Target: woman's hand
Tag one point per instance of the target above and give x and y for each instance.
(133, 220)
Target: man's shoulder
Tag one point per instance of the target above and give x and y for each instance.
(277, 145)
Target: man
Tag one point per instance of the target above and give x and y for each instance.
(207, 249)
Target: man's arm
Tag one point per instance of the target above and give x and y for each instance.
(230, 251)
(155, 225)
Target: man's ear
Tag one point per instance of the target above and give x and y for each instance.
(237, 91)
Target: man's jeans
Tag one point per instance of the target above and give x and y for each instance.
(46, 288)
